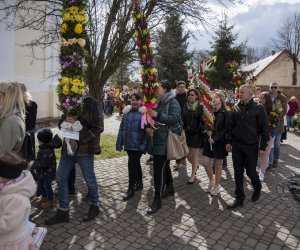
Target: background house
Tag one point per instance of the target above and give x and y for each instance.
(276, 68)
(39, 75)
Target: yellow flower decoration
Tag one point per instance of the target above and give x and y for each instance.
(66, 17)
(73, 10)
(65, 91)
(64, 80)
(64, 28)
(153, 100)
(78, 28)
(152, 71)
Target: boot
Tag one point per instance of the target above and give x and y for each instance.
(156, 204)
(92, 213)
(275, 164)
(169, 190)
(255, 196)
(235, 204)
(129, 194)
(138, 185)
(60, 217)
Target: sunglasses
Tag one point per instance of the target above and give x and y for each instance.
(274, 87)
(191, 95)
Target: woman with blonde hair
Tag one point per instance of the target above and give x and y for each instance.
(12, 115)
(215, 145)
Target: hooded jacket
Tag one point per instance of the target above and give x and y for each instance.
(130, 134)
(45, 163)
(15, 208)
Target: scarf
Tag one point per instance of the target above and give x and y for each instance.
(166, 97)
(192, 106)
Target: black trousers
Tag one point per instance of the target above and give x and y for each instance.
(162, 174)
(134, 167)
(245, 157)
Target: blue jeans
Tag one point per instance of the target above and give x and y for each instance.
(46, 189)
(66, 164)
(275, 151)
(290, 121)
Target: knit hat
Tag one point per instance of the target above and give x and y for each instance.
(45, 135)
(11, 165)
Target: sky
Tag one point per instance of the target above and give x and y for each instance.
(256, 20)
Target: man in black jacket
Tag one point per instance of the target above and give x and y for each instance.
(182, 99)
(248, 137)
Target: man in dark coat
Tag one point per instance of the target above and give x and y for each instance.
(248, 137)
(182, 99)
(87, 146)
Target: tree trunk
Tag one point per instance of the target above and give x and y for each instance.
(295, 72)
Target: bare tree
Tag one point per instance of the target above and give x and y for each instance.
(254, 54)
(110, 30)
(288, 38)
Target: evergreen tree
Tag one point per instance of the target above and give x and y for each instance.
(224, 52)
(172, 50)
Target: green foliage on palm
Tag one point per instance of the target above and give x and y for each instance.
(172, 50)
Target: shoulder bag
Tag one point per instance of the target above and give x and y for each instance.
(176, 144)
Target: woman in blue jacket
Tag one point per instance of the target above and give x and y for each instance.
(167, 113)
(134, 140)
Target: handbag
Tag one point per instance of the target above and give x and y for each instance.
(176, 144)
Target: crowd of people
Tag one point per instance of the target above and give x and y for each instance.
(244, 126)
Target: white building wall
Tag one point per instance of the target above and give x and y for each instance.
(39, 76)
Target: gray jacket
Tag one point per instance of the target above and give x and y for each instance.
(12, 133)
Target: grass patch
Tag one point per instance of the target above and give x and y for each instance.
(108, 148)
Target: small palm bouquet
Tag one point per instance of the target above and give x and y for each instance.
(273, 123)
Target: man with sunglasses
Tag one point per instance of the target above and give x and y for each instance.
(277, 98)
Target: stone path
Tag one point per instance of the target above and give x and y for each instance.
(191, 219)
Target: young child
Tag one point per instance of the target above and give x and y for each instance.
(16, 187)
(45, 167)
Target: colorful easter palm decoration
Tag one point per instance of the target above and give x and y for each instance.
(71, 85)
(237, 76)
(205, 100)
(148, 71)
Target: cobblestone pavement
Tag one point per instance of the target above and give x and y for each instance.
(191, 219)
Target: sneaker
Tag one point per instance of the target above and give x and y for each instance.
(215, 190)
(150, 160)
(209, 187)
(177, 166)
(275, 164)
(261, 176)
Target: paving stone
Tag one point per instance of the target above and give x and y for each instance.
(189, 220)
